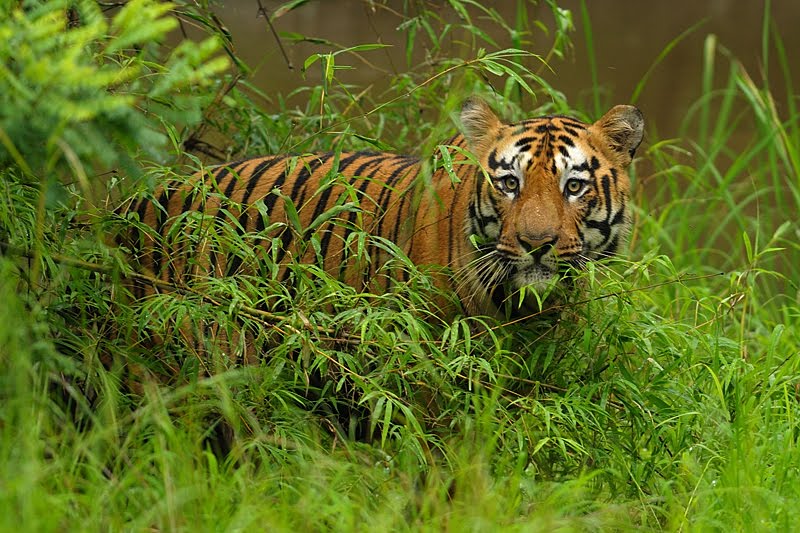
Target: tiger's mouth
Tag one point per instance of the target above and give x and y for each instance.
(519, 283)
(539, 271)
(526, 289)
(532, 280)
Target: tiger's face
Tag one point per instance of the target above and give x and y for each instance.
(555, 191)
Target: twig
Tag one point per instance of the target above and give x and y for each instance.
(560, 307)
(268, 318)
(194, 139)
(263, 12)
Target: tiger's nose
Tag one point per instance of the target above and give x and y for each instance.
(537, 245)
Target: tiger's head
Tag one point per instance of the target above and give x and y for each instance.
(554, 193)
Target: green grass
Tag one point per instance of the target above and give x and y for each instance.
(662, 395)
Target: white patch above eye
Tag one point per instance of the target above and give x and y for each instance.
(503, 173)
(575, 158)
(518, 161)
(567, 168)
(521, 162)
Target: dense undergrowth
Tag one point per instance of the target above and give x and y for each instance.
(661, 395)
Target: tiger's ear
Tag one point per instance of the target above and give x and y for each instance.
(623, 126)
(478, 122)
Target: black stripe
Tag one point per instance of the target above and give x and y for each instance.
(606, 182)
(617, 219)
(269, 198)
(141, 209)
(209, 179)
(286, 234)
(244, 218)
(301, 180)
(344, 164)
(258, 172)
(379, 158)
(437, 176)
(161, 221)
(582, 167)
(396, 175)
(495, 163)
(603, 225)
(452, 232)
(611, 249)
(568, 121)
(385, 197)
(351, 217)
(566, 140)
(388, 191)
(302, 177)
(322, 203)
(299, 202)
(487, 193)
(224, 202)
(255, 180)
(499, 296)
(475, 207)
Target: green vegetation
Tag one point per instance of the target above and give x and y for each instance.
(662, 396)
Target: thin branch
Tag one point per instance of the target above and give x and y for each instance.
(266, 317)
(560, 307)
(263, 12)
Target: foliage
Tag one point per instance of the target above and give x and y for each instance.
(86, 88)
(662, 394)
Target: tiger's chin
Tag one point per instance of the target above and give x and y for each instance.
(525, 292)
(537, 277)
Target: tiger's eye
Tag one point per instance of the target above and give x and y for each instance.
(510, 183)
(574, 186)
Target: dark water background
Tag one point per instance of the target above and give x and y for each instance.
(628, 37)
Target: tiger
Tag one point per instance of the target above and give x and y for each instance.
(510, 208)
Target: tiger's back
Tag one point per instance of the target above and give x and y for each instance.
(285, 201)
